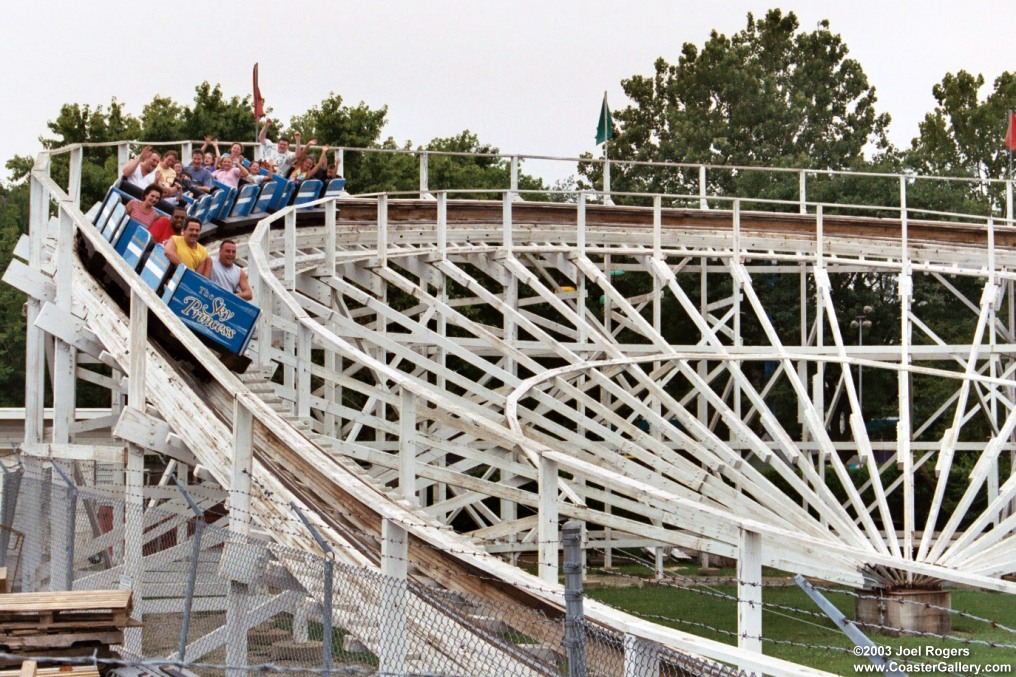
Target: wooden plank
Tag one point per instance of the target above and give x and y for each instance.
(77, 452)
(78, 600)
(30, 281)
(148, 432)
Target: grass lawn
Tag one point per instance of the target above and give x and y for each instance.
(809, 639)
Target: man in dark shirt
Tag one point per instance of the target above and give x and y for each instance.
(196, 179)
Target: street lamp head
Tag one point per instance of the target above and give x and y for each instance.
(853, 324)
(866, 324)
(868, 310)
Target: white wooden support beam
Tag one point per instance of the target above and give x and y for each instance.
(57, 451)
(506, 224)
(395, 567)
(289, 274)
(73, 331)
(238, 594)
(442, 224)
(74, 174)
(123, 156)
(330, 213)
(407, 444)
(514, 175)
(382, 230)
(64, 403)
(749, 591)
(424, 174)
(657, 228)
(35, 348)
(802, 189)
(547, 530)
(580, 225)
(303, 365)
(703, 203)
(147, 432)
(641, 657)
(135, 480)
(31, 280)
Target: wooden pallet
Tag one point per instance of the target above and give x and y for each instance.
(31, 669)
(55, 611)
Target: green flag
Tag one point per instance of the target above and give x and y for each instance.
(605, 128)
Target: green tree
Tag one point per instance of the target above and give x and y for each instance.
(13, 223)
(354, 126)
(770, 95)
(214, 115)
(964, 137)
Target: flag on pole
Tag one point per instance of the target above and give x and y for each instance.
(605, 128)
(259, 102)
(1010, 135)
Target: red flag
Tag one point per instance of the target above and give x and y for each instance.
(1010, 134)
(259, 102)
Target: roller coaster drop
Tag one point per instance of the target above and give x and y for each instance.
(384, 421)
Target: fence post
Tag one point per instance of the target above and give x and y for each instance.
(395, 567)
(574, 631)
(199, 528)
(749, 591)
(326, 603)
(64, 580)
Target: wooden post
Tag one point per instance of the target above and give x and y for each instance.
(382, 229)
(424, 178)
(237, 596)
(35, 341)
(749, 592)
(547, 529)
(641, 658)
(703, 203)
(330, 214)
(407, 444)
(289, 277)
(63, 404)
(395, 567)
(74, 178)
(303, 373)
(442, 225)
(134, 512)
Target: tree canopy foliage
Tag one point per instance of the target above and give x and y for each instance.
(770, 95)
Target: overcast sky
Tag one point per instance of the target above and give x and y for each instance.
(527, 76)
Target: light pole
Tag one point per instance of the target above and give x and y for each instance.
(860, 323)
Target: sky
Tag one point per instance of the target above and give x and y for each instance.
(526, 76)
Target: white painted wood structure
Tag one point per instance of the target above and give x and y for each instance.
(615, 365)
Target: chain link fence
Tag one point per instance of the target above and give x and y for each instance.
(217, 602)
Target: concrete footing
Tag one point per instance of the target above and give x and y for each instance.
(889, 613)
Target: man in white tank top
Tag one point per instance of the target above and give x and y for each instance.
(227, 274)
